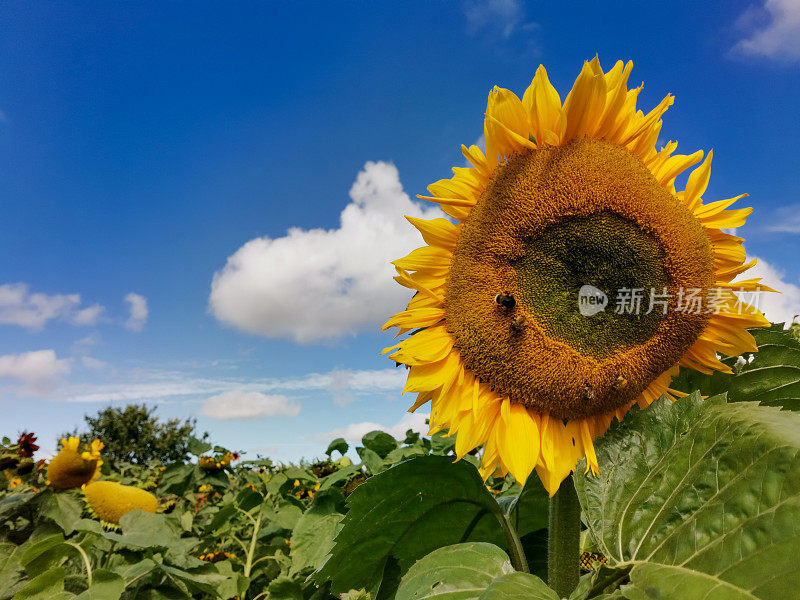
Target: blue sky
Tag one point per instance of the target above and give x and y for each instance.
(145, 146)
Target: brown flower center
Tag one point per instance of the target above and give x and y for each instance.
(595, 253)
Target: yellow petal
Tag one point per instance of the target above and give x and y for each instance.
(585, 102)
(543, 105)
(518, 440)
(697, 183)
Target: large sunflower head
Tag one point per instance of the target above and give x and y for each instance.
(71, 467)
(109, 500)
(573, 279)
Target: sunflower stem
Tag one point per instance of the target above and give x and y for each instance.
(517, 554)
(86, 562)
(563, 541)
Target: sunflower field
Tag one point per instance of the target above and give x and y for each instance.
(703, 500)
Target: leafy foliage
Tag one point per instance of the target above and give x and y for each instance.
(454, 572)
(135, 435)
(703, 500)
(397, 517)
(770, 376)
(240, 530)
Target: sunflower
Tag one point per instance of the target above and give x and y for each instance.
(573, 279)
(110, 501)
(71, 468)
(27, 445)
(214, 464)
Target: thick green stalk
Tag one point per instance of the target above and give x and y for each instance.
(563, 542)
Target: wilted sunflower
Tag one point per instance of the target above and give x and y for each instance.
(109, 501)
(71, 468)
(27, 445)
(570, 203)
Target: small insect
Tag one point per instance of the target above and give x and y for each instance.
(620, 383)
(588, 392)
(505, 300)
(518, 324)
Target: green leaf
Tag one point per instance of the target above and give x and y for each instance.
(197, 447)
(371, 460)
(145, 530)
(529, 511)
(770, 376)
(14, 502)
(106, 585)
(518, 586)
(47, 586)
(707, 489)
(65, 508)
(457, 572)
(39, 547)
(131, 572)
(205, 579)
(337, 444)
(602, 580)
(405, 512)
(285, 515)
(284, 588)
(312, 538)
(652, 581)
(442, 443)
(380, 442)
(528, 514)
(341, 475)
(298, 473)
(235, 583)
(12, 578)
(405, 453)
(177, 478)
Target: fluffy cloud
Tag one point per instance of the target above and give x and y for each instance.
(778, 308)
(137, 306)
(18, 306)
(773, 30)
(36, 370)
(315, 285)
(239, 404)
(355, 431)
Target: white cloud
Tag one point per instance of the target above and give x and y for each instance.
(171, 386)
(778, 308)
(773, 30)
(85, 344)
(88, 316)
(355, 431)
(37, 370)
(137, 305)
(498, 16)
(18, 306)
(93, 363)
(786, 220)
(240, 404)
(314, 284)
